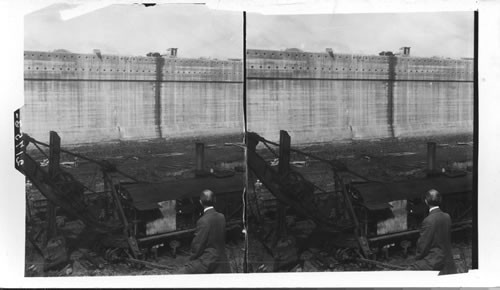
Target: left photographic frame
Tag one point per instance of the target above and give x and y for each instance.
(133, 131)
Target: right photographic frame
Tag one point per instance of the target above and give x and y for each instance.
(361, 142)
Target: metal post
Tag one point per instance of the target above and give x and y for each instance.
(54, 160)
(200, 157)
(431, 158)
(54, 153)
(283, 169)
(284, 158)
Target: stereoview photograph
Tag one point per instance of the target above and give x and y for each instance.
(360, 142)
(134, 132)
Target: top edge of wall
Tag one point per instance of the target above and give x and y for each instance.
(304, 54)
(29, 54)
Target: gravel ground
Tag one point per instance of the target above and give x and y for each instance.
(386, 160)
(152, 161)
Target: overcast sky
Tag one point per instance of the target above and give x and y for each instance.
(201, 32)
(136, 30)
(448, 34)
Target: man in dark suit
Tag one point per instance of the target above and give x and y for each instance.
(208, 253)
(434, 244)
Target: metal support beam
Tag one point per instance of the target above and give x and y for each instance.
(229, 226)
(454, 227)
(121, 213)
(118, 204)
(301, 199)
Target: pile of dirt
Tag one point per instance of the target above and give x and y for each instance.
(92, 262)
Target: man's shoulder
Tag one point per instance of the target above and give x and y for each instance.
(441, 213)
(438, 214)
(432, 217)
(202, 220)
(211, 214)
(221, 216)
(214, 216)
(206, 217)
(444, 216)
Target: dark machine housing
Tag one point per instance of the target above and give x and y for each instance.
(162, 211)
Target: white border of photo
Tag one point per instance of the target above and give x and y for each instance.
(12, 205)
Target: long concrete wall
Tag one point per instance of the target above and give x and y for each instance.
(89, 98)
(319, 97)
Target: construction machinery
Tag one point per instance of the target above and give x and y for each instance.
(358, 217)
(130, 218)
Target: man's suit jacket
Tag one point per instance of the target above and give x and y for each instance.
(434, 244)
(208, 245)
